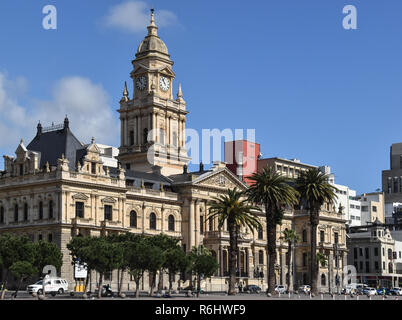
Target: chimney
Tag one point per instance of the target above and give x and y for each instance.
(66, 123)
(39, 127)
(185, 168)
(201, 166)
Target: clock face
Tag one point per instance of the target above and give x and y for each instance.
(164, 83)
(141, 83)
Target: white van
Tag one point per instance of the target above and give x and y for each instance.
(52, 285)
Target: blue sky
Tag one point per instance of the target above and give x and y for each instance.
(311, 89)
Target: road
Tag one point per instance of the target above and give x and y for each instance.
(22, 295)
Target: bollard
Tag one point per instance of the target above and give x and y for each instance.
(345, 297)
(322, 296)
(289, 295)
(357, 297)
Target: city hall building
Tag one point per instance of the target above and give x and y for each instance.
(56, 187)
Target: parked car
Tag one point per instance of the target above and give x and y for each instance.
(52, 285)
(280, 289)
(397, 291)
(369, 291)
(380, 291)
(304, 289)
(251, 288)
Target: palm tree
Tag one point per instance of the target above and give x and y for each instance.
(290, 236)
(234, 208)
(314, 190)
(274, 192)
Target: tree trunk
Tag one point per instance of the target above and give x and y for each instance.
(288, 263)
(18, 288)
(3, 291)
(170, 283)
(137, 288)
(100, 285)
(121, 281)
(151, 293)
(198, 285)
(87, 280)
(160, 282)
(232, 258)
(271, 252)
(314, 218)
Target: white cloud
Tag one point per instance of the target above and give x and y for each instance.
(134, 16)
(86, 104)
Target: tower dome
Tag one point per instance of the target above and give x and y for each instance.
(152, 43)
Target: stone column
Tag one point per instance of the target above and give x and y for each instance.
(331, 275)
(191, 225)
(197, 222)
(220, 261)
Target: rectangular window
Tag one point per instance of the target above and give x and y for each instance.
(376, 252)
(93, 168)
(376, 266)
(79, 209)
(131, 137)
(108, 212)
(361, 252)
(374, 209)
(336, 237)
(304, 259)
(355, 253)
(361, 265)
(366, 252)
(322, 236)
(201, 224)
(50, 237)
(367, 266)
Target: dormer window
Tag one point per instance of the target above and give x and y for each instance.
(21, 169)
(93, 168)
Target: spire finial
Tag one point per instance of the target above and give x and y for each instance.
(180, 94)
(125, 92)
(92, 140)
(152, 28)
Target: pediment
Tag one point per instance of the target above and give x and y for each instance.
(80, 196)
(140, 69)
(109, 200)
(221, 179)
(167, 71)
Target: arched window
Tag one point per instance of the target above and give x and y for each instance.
(152, 221)
(133, 219)
(304, 235)
(260, 233)
(40, 210)
(25, 212)
(171, 223)
(1, 214)
(261, 257)
(16, 212)
(323, 280)
(50, 209)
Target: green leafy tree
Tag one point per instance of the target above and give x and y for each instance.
(274, 191)
(175, 262)
(291, 237)
(22, 270)
(202, 264)
(106, 257)
(315, 190)
(233, 208)
(14, 249)
(155, 262)
(78, 254)
(165, 243)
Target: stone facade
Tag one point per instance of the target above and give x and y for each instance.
(54, 197)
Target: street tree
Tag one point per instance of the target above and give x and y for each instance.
(233, 208)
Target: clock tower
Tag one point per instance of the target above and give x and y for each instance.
(152, 122)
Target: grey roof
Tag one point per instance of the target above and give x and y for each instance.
(132, 174)
(52, 144)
